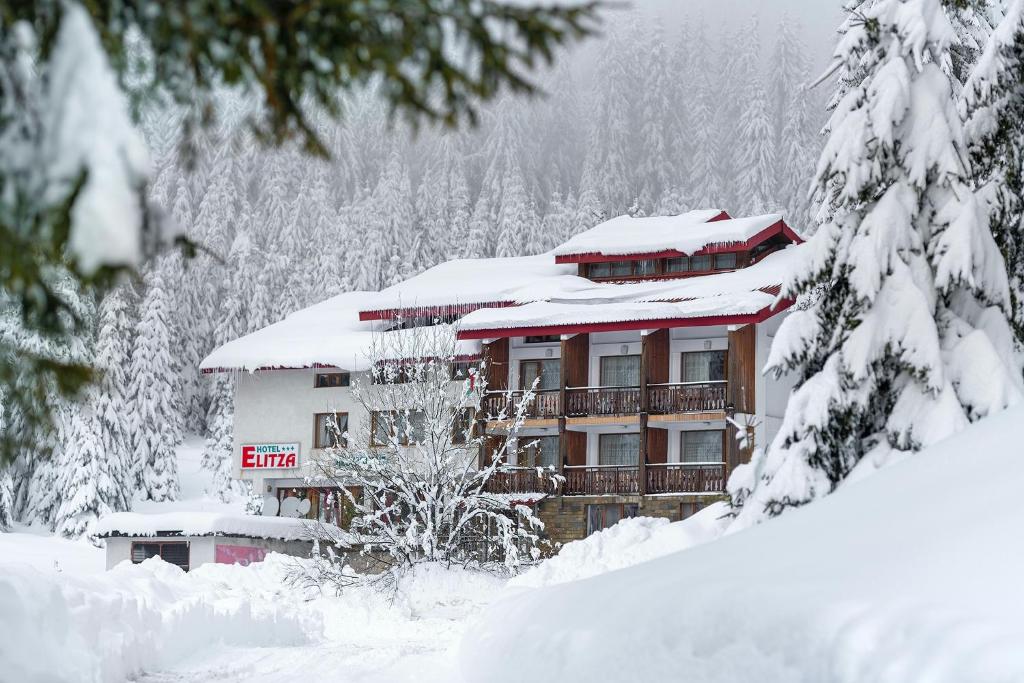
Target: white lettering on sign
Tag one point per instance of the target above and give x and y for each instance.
(270, 456)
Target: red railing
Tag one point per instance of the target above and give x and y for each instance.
(544, 404)
(687, 397)
(686, 478)
(601, 479)
(521, 480)
(602, 401)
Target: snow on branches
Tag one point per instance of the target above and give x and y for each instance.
(914, 296)
(414, 475)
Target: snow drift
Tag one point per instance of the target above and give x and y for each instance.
(138, 617)
(911, 574)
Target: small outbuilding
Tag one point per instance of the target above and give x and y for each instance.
(192, 539)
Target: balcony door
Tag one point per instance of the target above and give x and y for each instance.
(704, 366)
(618, 449)
(547, 370)
(705, 446)
(620, 371)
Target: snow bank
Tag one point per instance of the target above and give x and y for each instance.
(139, 617)
(629, 542)
(203, 524)
(911, 574)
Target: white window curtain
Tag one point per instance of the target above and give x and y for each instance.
(541, 451)
(548, 370)
(702, 446)
(325, 433)
(618, 449)
(704, 366)
(620, 371)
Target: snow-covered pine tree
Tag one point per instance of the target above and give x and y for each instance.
(442, 203)
(706, 190)
(109, 403)
(656, 168)
(908, 340)
(994, 105)
(156, 422)
(6, 499)
(756, 171)
(517, 221)
(87, 486)
(218, 445)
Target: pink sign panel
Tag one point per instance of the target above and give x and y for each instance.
(239, 554)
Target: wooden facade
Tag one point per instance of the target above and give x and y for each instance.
(742, 366)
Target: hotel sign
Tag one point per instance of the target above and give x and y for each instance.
(270, 456)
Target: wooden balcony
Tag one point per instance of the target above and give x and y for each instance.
(624, 480)
(597, 480)
(685, 397)
(602, 401)
(521, 480)
(543, 405)
(686, 478)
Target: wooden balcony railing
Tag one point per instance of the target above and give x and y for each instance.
(521, 480)
(599, 480)
(544, 404)
(686, 478)
(602, 401)
(685, 397)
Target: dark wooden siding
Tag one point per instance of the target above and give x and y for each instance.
(496, 359)
(576, 360)
(656, 347)
(577, 448)
(741, 370)
(657, 446)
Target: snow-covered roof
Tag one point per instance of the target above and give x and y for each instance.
(326, 334)
(204, 524)
(745, 292)
(462, 282)
(686, 233)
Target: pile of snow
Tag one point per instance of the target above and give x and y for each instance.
(204, 524)
(913, 573)
(137, 618)
(625, 544)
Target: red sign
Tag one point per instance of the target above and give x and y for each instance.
(238, 554)
(270, 456)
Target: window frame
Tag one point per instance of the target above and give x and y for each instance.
(342, 441)
(632, 508)
(530, 452)
(374, 416)
(332, 373)
(540, 362)
(693, 506)
(542, 339)
(735, 259)
(600, 370)
(600, 440)
(725, 365)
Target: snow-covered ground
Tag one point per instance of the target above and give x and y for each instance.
(912, 574)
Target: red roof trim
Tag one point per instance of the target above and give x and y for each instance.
(581, 328)
(779, 227)
(447, 309)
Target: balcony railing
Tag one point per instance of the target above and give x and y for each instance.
(521, 480)
(686, 478)
(544, 404)
(685, 397)
(602, 401)
(596, 480)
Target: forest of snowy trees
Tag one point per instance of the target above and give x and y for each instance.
(659, 119)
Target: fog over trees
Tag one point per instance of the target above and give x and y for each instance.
(655, 118)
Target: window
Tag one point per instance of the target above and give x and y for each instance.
(603, 516)
(690, 509)
(678, 265)
(621, 268)
(645, 267)
(541, 339)
(700, 262)
(461, 368)
(538, 451)
(725, 261)
(620, 371)
(175, 552)
(409, 426)
(548, 370)
(462, 425)
(704, 366)
(618, 449)
(330, 430)
(331, 379)
(706, 445)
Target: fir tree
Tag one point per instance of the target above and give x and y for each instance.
(913, 295)
(156, 425)
(87, 488)
(217, 448)
(756, 171)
